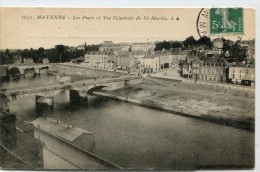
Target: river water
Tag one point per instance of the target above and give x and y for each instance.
(136, 137)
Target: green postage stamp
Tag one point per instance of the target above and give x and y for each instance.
(226, 20)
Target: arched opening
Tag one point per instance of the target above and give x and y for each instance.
(166, 65)
(14, 72)
(96, 88)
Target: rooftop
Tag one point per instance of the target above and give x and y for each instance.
(59, 129)
(21, 125)
(148, 56)
(22, 146)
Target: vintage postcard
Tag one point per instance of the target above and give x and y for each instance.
(127, 89)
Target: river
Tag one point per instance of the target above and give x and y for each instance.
(136, 137)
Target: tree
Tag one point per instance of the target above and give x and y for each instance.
(92, 47)
(162, 45)
(204, 41)
(7, 53)
(60, 51)
(237, 54)
(7, 58)
(40, 53)
(176, 45)
(2, 59)
(190, 41)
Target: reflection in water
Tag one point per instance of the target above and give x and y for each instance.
(30, 79)
(135, 137)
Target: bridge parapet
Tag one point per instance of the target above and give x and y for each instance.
(83, 88)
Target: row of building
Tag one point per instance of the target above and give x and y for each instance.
(218, 69)
(212, 65)
(110, 46)
(139, 61)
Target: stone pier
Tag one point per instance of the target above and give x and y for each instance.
(78, 97)
(44, 105)
(37, 71)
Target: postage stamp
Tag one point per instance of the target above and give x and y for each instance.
(226, 20)
(220, 21)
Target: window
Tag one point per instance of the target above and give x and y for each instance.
(233, 75)
(240, 71)
(247, 71)
(234, 70)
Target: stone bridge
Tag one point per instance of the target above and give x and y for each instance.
(78, 91)
(24, 68)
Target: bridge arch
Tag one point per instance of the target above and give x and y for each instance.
(14, 72)
(96, 88)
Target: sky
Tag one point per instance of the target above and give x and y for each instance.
(22, 28)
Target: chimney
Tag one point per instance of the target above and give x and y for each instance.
(8, 130)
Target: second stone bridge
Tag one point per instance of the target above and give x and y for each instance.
(79, 91)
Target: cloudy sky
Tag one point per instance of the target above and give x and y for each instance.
(25, 27)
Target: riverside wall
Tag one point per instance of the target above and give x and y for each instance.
(229, 89)
(242, 124)
(82, 70)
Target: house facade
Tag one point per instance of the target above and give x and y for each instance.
(150, 64)
(99, 59)
(125, 60)
(244, 75)
(143, 46)
(211, 68)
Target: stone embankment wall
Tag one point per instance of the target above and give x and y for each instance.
(228, 89)
(80, 70)
(242, 124)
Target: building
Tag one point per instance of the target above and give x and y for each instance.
(74, 136)
(186, 70)
(18, 148)
(165, 58)
(150, 64)
(243, 74)
(80, 47)
(249, 46)
(211, 68)
(45, 61)
(100, 59)
(28, 61)
(125, 60)
(3, 71)
(138, 54)
(125, 46)
(72, 48)
(149, 46)
(110, 46)
(217, 45)
(178, 55)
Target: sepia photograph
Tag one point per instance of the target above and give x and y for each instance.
(127, 88)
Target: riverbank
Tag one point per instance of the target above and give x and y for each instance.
(236, 111)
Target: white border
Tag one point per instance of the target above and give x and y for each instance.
(128, 3)
(160, 4)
